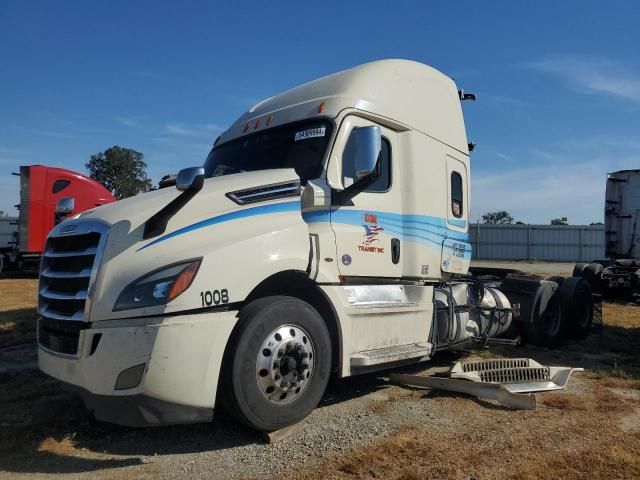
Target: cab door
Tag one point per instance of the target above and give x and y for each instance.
(368, 230)
(456, 250)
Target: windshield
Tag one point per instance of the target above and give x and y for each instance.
(300, 145)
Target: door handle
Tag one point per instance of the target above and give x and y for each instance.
(395, 250)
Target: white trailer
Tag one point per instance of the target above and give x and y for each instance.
(619, 274)
(325, 233)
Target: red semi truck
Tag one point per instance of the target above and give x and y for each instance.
(47, 196)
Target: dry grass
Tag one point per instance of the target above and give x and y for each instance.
(63, 447)
(565, 401)
(553, 443)
(18, 294)
(415, 452)
(621, 315)
(17, 311)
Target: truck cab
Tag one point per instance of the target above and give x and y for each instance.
(42, 188)
(325, 233)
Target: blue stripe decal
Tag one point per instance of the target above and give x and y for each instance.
(422, 229)
(226, 217)
(458, 223)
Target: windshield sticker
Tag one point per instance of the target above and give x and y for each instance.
(311, 133)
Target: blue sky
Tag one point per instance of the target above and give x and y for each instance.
(558, 83)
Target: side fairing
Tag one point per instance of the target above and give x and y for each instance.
(438, 243)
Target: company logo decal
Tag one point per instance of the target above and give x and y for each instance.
(371, 234)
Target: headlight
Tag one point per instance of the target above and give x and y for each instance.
(158, 287)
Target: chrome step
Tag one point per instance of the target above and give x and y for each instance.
(390, 354)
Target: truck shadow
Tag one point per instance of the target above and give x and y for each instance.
(47, 430)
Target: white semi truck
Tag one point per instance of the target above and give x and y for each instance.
(325, 233)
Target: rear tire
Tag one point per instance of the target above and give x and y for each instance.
(593, 274)
(277, 363)
(577, 305)
(548, 328)
(578, 269)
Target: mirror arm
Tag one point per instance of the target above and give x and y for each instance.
(157, 224)
(343, 197)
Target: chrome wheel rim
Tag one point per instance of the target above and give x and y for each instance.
(284, 365)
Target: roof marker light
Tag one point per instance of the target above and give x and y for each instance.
(257, 124)
(269, 120)
(246, 127)
(321, 107)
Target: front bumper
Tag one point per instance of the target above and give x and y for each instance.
(182, 356)
(139, 410)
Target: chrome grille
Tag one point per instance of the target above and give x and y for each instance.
(494, 363)
(68, 270)
(507, 370)
(516, 375)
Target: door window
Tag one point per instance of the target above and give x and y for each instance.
(456, 194)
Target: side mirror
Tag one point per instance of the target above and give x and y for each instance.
(368, 147)
(63, 209)
(190, 179)
(65, 206)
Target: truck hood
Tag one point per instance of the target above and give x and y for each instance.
(214, 199)
(237, 239)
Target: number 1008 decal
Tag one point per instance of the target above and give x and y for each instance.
(214, 297)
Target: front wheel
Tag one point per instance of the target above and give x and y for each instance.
(277, 363)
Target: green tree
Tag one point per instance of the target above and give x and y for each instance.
(121, 170)
(559, 221)
(500, 216)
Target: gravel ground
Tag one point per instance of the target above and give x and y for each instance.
(352, 413)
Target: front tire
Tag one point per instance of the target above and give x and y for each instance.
(277, 363)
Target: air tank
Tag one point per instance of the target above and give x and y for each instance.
(465, 310)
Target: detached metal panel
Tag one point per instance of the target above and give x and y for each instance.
(569, 243)
(8, 231)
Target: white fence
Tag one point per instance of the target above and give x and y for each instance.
(568, 243)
